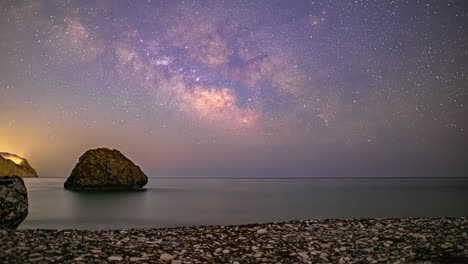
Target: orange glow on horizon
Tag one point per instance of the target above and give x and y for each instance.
(15, 159)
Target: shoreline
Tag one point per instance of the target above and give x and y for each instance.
(405, 240)
(289, 178)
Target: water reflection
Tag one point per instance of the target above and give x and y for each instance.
(201, 202)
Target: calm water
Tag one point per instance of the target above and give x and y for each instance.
(182, 202)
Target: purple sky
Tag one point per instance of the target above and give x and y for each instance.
(238, 88)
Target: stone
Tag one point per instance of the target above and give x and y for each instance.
(14, 165)
(115, 258)
(104, 169)
(13, 201)
(166, 257)
(35, 255)
(327, 245)
(80, 258)
(262, 231)
(244, 245)
(226, 251)
(382, 259)
(446, 245)
(35, 259)
(303, 255)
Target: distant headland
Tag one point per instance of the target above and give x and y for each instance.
(12, 164)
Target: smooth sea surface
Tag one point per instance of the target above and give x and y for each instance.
(189, 202)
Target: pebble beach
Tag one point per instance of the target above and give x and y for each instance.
(411, 240)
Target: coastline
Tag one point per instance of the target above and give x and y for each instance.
(406, 240)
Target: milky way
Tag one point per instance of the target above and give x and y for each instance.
(238, 88)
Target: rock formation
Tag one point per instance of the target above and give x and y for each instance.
(11, 164)
(13, 201)
(105, 170)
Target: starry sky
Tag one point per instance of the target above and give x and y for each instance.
(238, 88)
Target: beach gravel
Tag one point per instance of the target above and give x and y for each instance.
(411, 240)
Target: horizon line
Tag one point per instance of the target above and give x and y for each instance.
(292, 178)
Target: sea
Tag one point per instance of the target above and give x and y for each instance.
(176, 202)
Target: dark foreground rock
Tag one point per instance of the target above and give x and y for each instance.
(11, 164)
(105, 170)
(13, 201)
(314, 241)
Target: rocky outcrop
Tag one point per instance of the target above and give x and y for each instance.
(13, 201)
(105, 170)
(11, 164)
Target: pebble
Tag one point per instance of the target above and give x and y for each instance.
(396, 241)
(323, 255)
(80, 258)
(325, 245)
(166, 257)
(114, 258)
(382, 259)
(258, 255)
(35, 259)
(446, 245)
(303, 255)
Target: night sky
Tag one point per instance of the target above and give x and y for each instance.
(238, 88)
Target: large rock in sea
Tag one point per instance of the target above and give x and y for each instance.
(104, 169)
(11, 164)
(13, 201)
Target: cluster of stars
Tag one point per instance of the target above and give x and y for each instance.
(305, 75)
